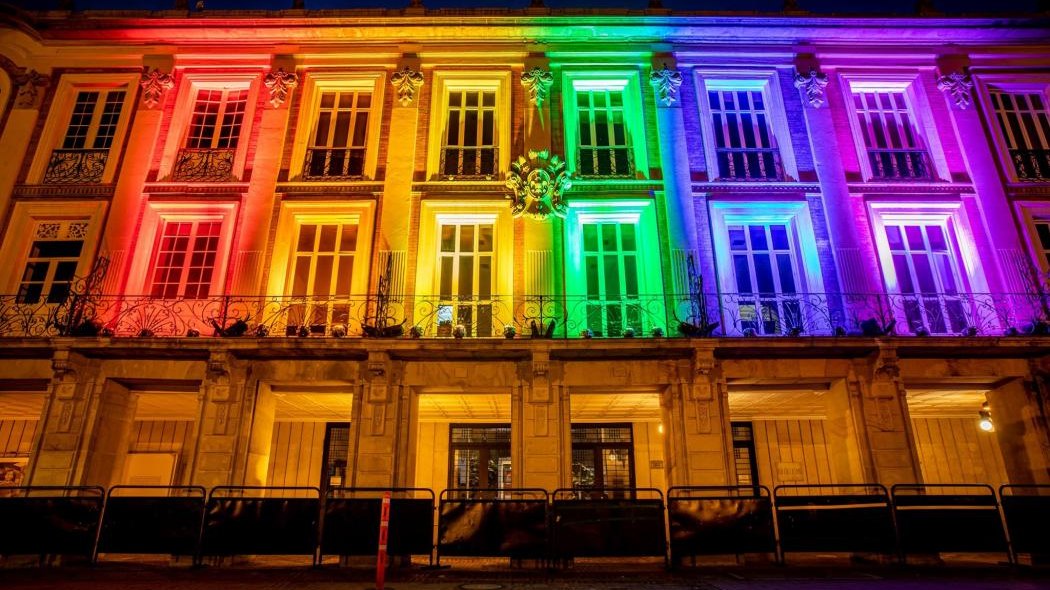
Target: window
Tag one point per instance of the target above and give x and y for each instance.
(603, 457)
(215, 124)
(52, 262)
(479, 457)
(336, 452)
(603, 148)
(322, 275)
(85, 146)
(340, 138)
(610, 253)
(1025, 124)
(766, 270)
(744, 453)
(184, 264)
(465, 278)
(743, 137)
(927, 276)
(469, 146)
(894, 147)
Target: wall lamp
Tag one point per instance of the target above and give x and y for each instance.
(985, 420)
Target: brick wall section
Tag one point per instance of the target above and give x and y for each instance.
(295, 104)
(557, 122)
(796, 123)
(824, 249)
(423, 96)
(705, 263)
(840, 115)
(165, 124)
(694, 137)
(381, 114)
(251, 134)
(518, 107)
(38, 130)
(942, 118)
(651, 130)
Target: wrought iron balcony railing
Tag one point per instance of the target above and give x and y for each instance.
(334, 164)
(711, 314)
(76, 166)
(604, 162)
(1031, 165)
(204, 164)
(469, 162)
(889, 164)
(749, 164)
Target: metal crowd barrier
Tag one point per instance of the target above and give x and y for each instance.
(496, 523)
(854, 518)
(934, 518)
(259, 520)
(351, 521)
(1026, 510)
(50, 520)
(153, 519)
(611, 522)
(718, 520)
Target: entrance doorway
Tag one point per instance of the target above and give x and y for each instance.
(602, 456)
(479, 457)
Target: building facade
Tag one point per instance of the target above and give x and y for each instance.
(503, 249)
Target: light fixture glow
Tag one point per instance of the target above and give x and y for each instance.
(660, 428)
(985, 420)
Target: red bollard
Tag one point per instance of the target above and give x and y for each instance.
(384, 526)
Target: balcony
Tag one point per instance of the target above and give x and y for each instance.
(204, 165)
(478, 163)
(898, 164)
(334, 164)
(725, 315)
(1031, 165)
(79, 166)
(759, 164)
(604, 162)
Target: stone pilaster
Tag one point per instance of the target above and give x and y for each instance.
(884, 422)
(377, 427)
(66, 423)
(224, 426)
(29, 88)
(543, 419)
(696, 419)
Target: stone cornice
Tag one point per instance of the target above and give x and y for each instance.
(907, 188)
(195, 188)
(60, 191)
(321, 188)
(1028, 190)
(750, 187)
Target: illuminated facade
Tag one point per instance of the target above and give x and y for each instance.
(441, 249)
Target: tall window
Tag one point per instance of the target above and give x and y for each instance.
(217, 118)
(744, 453)
(479, 457)
(469, 147)
(603, 142)
(1025, 125)
(51, 265)
(336, 451)
(743, 137)
(895, 149)
(184, 265)
(340, 137)
(927, 276)
(610, 256)
(322, 275)
(466, 274)
(85, 146)
(1042, 234)
(602, 456)
(766, 272)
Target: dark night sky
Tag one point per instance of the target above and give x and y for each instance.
(817, 6)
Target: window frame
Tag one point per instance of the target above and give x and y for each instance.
(446, 81)
(764, 81)
(626, 81)
(911, 85)
(61, 110)
(156, 213)
(985, 84)
(182, 117)
(1030, 213)
(315, 84)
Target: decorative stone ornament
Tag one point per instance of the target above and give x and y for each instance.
(407, 81)
(29, 84)
(957, 85)
(538, 82)
(537, 184)
(154, 84)
(813, 85)
(280, 84)
(666, 82)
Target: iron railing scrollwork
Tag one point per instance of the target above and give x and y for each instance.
(899, 164)
(469, 162)
(334, 164)
(1031, 165)
(749, 163)
(205, 164)
(76, 166)
(87, 313)
(605, 162)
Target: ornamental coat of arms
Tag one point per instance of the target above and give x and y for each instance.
(537, 184)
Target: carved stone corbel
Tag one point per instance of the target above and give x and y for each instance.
(537, 83)
(407, 82)
(280, 84)
(666, 83)
(958, 87)
(812, 85)
(154, 84)
(29, 83)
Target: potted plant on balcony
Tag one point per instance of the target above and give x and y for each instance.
(509, 331)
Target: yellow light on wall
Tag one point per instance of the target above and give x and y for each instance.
(985, 420)
(660, 428)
